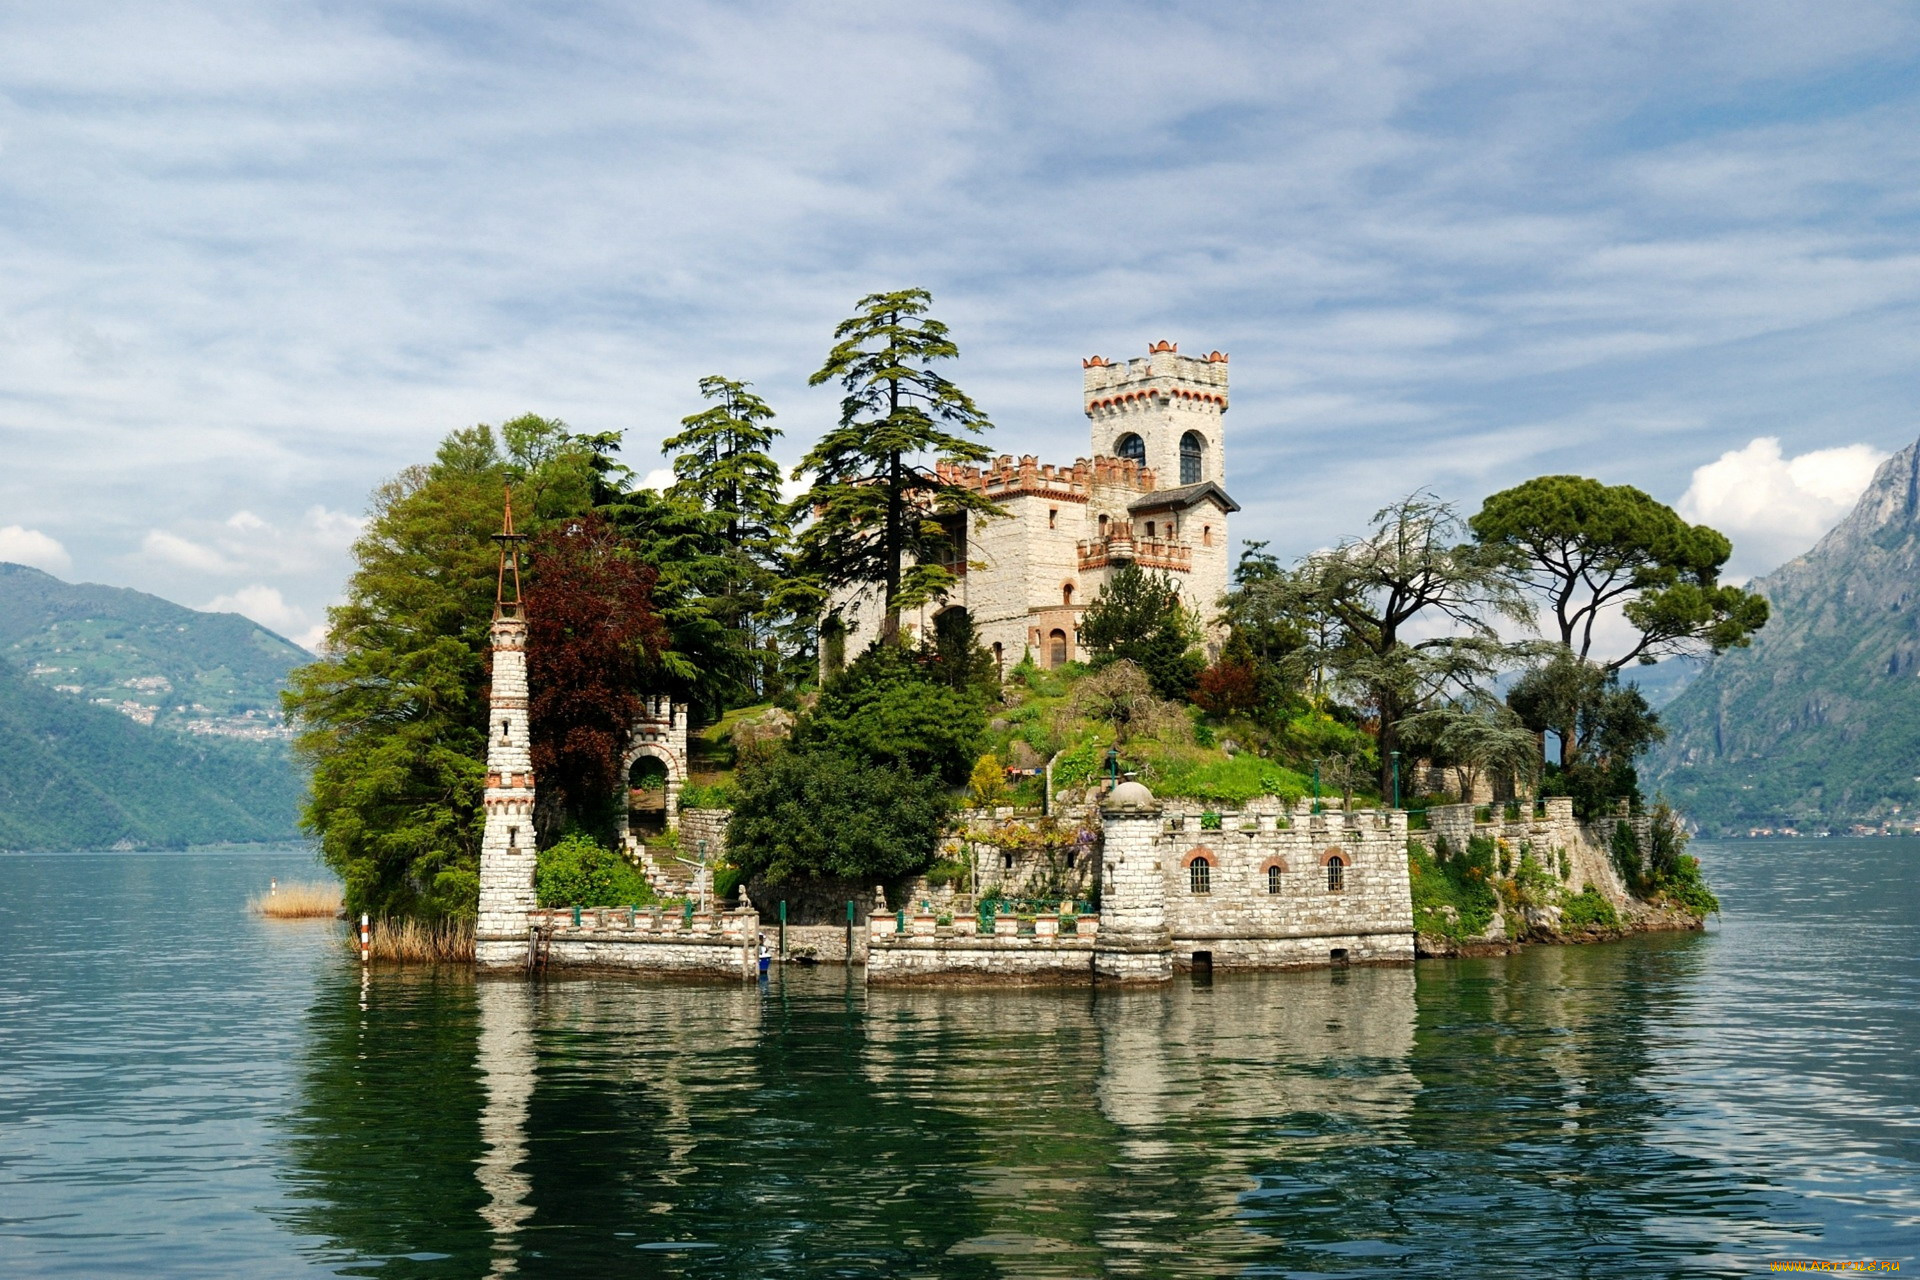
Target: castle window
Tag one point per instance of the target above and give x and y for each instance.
(999, 657)
(1132, 448)
(1006, 861)
(506, 730)
(1103, 526)
(1206, 535)
(1336, 873)
(1066, 594)
(1053, 514)
(1192, 451)
(1149, 528)
(1273, 879)
(1056, 648)
(1200, 876)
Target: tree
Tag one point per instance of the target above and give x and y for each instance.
(1479, 737)
(890, 707)
(1371, 589)
(1586, 548)
(1120, 696)
(593, 644)
(874, 506)
(1138, 618)
(392, 720)
(957, 657)
(1603, 726)
(723, 467)
(811, 813)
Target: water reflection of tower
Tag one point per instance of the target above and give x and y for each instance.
(505, 1058)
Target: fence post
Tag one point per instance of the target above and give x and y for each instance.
(783, 932)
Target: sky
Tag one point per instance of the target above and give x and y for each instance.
(260, 257)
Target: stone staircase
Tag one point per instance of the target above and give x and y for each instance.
(669, 877)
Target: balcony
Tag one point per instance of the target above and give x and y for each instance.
(1148, 553)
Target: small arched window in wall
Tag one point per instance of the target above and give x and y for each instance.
(1103, 526)
(1066, 593)
(1053, 515)
(999, 656)
(1200, 876)
(1193, 450)
(1206, 535)
(1336, 873)
(1132, 448)
(1056, 648)
(1273, 879)
(1149, 528)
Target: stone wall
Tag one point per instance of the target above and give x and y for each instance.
(718, 945)
(1548, 832)
(1266, 898)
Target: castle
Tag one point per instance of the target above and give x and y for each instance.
(1027, 576)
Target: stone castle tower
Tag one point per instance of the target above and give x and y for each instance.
(507, 846)
(1166, 412)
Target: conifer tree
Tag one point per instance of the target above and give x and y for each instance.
(877, 502)
(722, 467)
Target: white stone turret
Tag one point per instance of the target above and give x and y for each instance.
(507, 846)
(1134, 944)
(1166, 411)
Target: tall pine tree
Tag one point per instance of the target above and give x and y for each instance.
(878, 504)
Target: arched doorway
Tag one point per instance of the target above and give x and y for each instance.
(647, 781)
(1056, 648)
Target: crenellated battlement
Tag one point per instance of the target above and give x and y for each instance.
(1008, 477)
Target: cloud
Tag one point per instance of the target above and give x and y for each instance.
(658, 479)
(32, 547)
(1774, 507)
(183, 553)
(266, 606)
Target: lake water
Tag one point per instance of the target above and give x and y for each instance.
(187, 1091)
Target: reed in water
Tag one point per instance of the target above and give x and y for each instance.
(300, 900)
(417, 942)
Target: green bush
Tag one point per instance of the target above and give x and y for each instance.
(1685, 888)
(1588, 909)
(579, 871)
(888, 708)
(811, 813)
(1453, 882)
(1224, 780)
(717, 795)
(954, 871)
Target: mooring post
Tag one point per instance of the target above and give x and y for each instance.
(783, 931)
(366, 940)
(849, 930)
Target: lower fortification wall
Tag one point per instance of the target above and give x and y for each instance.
(723, 946)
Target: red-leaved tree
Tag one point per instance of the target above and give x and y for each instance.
(593, 642)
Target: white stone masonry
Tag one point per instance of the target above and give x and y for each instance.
(507, 846)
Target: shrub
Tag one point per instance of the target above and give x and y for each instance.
(714, 795)
(1588, 909)
(1451, 882)
(888, 709)
(987, 786)
(579, 871)
(1685, 888)
(813, 812)
(953, 871)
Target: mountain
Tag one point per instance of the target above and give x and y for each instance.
(154, 661)
(128, 720)
(78, 776)
(1818, 724)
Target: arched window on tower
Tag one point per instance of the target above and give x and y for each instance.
(1066, 594)
(1200, 876)
(1192, 451)
(1131, 447)
(1336, 873)
(1273, 879)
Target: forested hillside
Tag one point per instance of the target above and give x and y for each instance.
(153, 660)
(1819, 722)
(126, 719)
(76, 776)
